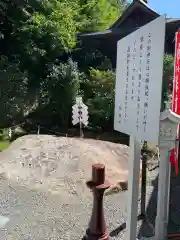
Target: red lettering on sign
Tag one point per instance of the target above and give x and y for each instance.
(176, 81)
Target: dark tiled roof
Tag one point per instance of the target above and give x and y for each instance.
(172, 20)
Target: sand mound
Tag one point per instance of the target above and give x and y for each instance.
(61, 164)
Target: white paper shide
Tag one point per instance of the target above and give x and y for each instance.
(139, 81)
(79, 112)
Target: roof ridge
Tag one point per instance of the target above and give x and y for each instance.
(130, 9)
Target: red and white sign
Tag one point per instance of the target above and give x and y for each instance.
(176, 98)
(176, 81)
(175, 154)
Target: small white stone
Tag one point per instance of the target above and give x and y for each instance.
(3, 221)
(22, 164)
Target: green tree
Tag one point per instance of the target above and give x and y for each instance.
(100, 14)
(167, 80)
(40, 31)
(99, 95)
(59, 91)
(37, 34)
(36, 39)
(13, 92)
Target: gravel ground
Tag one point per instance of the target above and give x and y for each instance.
(36, 214)
(62, 164)
(39, 216)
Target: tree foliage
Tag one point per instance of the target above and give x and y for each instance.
(100, 89)
(58, 91)
(167, 79)
(13, 91)
(100, 14)
(40, 32)
(37, 34)
(37, 39)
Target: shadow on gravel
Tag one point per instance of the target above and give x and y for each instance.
(147, 229)
(116, 231)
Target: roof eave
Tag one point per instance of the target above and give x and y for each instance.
(110, 32)
(98, 34)
(173, 20)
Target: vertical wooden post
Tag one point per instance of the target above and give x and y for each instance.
(97, 229)
(38, 132)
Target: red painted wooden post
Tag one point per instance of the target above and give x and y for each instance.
(97, 229)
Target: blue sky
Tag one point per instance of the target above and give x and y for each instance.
(169, 7)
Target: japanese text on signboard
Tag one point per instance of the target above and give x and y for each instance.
(138, 92)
